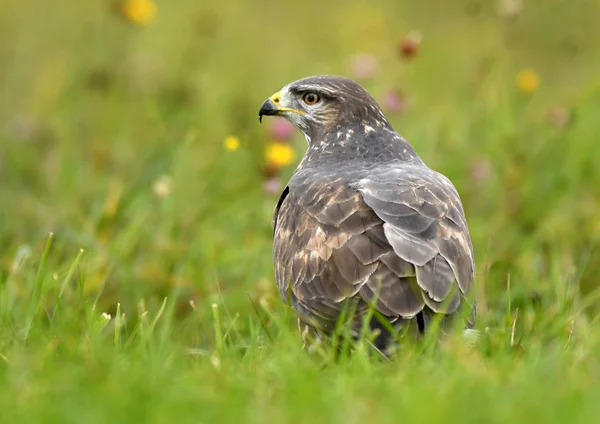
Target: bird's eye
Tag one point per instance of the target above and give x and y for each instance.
(311, 98)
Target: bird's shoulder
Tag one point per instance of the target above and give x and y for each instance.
(314, 189)
(428, 193)
(419, 209)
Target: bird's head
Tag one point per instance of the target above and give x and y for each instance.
(319, 105)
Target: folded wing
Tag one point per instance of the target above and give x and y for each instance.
(397, 238)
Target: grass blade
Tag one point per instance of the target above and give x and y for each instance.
(37, 287)
(118, 326)
(70, 273)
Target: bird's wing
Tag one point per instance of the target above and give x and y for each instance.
(326, 245)
(284, 194)
(388, 239)
(424, 222)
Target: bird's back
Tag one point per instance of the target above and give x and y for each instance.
(392, 235)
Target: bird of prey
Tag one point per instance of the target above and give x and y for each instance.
(364, 222)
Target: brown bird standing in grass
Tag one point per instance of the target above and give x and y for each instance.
(363, 222)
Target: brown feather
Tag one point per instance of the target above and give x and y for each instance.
(364, 221)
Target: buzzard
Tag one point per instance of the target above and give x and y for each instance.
(363, 222)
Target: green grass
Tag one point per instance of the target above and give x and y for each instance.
(148, 308)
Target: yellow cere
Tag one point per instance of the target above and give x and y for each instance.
(231, 143)
(528, 81)
(276, 97)
(279, 154)
(140, 12)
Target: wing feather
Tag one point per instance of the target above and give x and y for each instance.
(397, 238)
(435, 238)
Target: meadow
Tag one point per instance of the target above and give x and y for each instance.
(137, 188)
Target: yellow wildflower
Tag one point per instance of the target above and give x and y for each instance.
(162, 186)
(528, 81)
(279, 154)
(231, 143)
(140, 12)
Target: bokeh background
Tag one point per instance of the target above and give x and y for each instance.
(130, 129)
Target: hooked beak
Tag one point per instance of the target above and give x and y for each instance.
(268, 108)
(273, 106)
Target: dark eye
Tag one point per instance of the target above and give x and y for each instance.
(311, 98)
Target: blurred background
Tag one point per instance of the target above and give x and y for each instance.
(130, 129)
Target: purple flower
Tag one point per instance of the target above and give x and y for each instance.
(394, 101)
(364, 65)
(481, 171)
(272, 185)
(281, 129)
